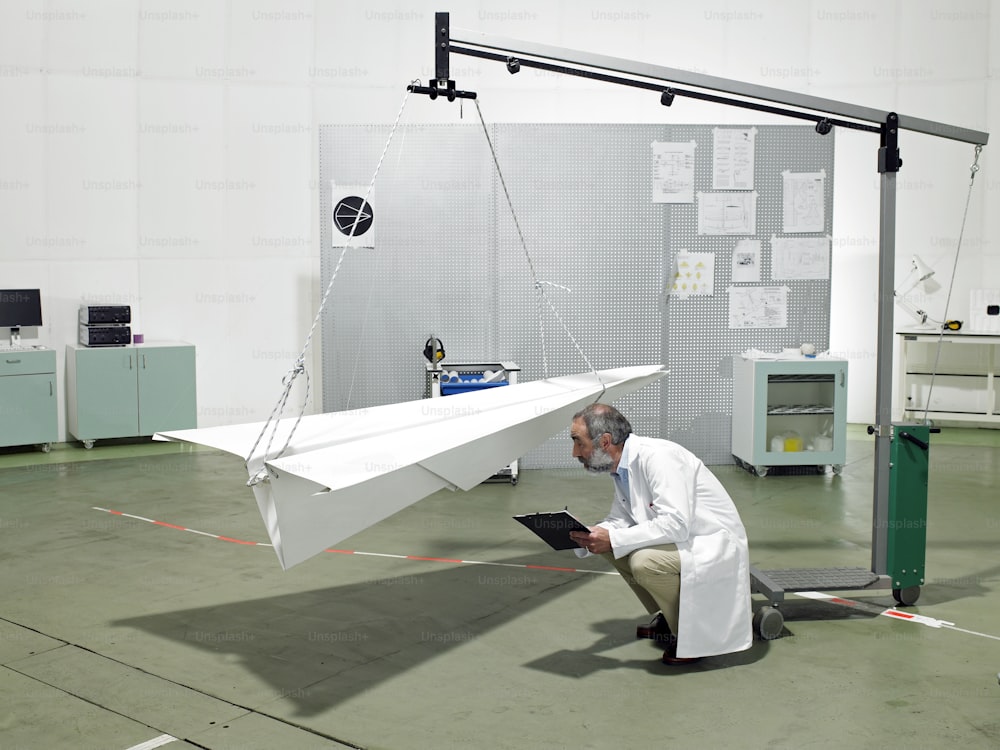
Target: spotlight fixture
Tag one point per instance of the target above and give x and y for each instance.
(667, 98)
(824, 126)
(513, 65)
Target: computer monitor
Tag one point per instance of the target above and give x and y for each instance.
(19, 308)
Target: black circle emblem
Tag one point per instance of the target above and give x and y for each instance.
(353, 213)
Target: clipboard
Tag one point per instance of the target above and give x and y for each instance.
(554, 527)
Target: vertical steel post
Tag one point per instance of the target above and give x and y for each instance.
(888, 164)
(442, 46)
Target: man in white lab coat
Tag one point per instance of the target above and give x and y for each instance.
(673, 533)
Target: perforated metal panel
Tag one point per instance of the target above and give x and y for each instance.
(697, 341)
(448, 263)
(582, 199)
(431, 272)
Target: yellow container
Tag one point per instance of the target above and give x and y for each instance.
(793, 444)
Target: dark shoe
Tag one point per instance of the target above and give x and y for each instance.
(657, 629)
(675, 661)
(670, 657)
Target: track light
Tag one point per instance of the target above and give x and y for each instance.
(667, 98)
(513, 65)
(824, 126)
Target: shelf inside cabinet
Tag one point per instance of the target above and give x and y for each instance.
(800, 409)
(800, 378)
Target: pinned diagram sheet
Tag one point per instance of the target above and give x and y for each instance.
(733, 158)
(693, 275)
(727, 213)
(802, 201)
(746, 261)
(758, 307)
(673, 172)
(800, 258)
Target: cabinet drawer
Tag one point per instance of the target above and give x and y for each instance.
(27, 363)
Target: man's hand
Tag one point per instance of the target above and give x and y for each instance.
(597, 541)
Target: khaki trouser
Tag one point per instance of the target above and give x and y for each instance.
(654, 575)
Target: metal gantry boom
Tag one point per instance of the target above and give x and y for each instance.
(824, 112)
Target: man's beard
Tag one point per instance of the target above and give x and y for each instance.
(600, 461)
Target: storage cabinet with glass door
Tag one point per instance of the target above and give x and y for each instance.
(789, 413)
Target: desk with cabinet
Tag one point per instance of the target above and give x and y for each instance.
(28, 399)
(964, 388)
(129, 391)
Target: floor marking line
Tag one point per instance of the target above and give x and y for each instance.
(913, 617)
(420, 558)
(203, 533)
(163, 739)
(876, 609)
(170, 525)
(951, 626)
(376, 554)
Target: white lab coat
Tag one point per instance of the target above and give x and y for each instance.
(676, 499)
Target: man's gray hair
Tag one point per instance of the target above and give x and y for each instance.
(601, 418)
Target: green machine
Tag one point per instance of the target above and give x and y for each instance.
(906, 521)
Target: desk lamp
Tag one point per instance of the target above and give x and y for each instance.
(919, 273)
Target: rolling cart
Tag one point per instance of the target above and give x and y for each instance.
(449, 378)
(899, 540)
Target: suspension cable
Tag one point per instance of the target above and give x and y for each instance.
(538, 284)
(299, 367)
(973, 169)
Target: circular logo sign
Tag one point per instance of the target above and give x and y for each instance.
(353, 216)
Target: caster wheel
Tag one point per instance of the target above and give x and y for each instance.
(760, 471)
(768, 623)
(88, 444)
(906, 596)
(513, 481)
(46, 447)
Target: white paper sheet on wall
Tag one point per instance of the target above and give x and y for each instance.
(758, 307)
(800, 257)
(727, 213)
(802, 201)
(673, 172)
(746, 261)
(693, 275)
(733, 158)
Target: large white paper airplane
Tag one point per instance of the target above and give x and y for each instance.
(345, 471)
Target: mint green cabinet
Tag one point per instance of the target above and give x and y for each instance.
(789, 413)
(28, 401)
(129, 391)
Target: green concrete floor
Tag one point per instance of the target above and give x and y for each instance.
(116, 631)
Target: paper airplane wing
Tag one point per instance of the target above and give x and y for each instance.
(347, 470)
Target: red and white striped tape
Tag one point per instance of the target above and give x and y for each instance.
(358, 552)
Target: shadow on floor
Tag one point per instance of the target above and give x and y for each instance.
(319, 648)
